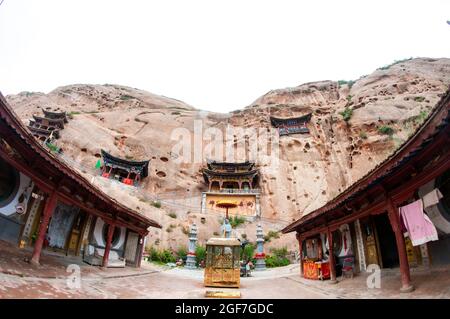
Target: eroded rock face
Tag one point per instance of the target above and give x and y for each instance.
(313, 168)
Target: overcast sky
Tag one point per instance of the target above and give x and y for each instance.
(214, 55)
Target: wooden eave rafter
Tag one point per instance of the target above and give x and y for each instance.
(430, 138)
(49, 173)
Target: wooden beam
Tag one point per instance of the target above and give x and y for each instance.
(45, 185)
(403, 192)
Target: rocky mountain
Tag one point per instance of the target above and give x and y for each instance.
(354, 126)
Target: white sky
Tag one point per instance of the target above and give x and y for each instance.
(214, 55)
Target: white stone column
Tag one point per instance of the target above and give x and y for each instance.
(191, 262)
(260, 256)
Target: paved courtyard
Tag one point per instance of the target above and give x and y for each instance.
(19, 279)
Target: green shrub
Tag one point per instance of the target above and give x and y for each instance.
(126, 97)
(346, 114)
(153, 254)
(386, 130)
(280, 252)
(278, 258)
(349, 83)
(419, 98)
(163, 256)
(422, 116)
(275, 261)
(235, 221)
(248, 252)
(200, 254)
(156, 204)
(172, 215)
(363, 135)
(393, 63)
(271, 234)
(166, 256)
(181, 253)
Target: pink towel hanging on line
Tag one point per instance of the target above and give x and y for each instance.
(418, 224)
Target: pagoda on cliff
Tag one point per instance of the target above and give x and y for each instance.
(47, 128)
(225, 176)
(231, 182)
(292, 125)
(125, 171)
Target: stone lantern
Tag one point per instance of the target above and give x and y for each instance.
(260, 256)
(191, 262)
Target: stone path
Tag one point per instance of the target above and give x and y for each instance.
(19, 279)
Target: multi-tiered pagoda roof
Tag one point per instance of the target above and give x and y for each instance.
(291, 125)
(226, 172)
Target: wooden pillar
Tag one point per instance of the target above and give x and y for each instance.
(300, 246)
(50, 205)
(394, 219)
(331, 257)
(108, 245)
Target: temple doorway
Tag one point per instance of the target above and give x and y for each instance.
(386, 238)
(131, 247)
(65, 229)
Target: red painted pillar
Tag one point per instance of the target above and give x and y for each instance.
(331, 257)
(394, 219)
(108, 245)
(300, 246)
(50, 205)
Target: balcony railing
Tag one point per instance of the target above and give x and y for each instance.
(235, 191)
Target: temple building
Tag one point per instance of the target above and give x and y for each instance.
(47, 205)
(397, 215)
(234, 182)
(292, 125)
(122, 170)
(47, 128)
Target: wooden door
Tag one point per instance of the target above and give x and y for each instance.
(73, 242)
(370, 241)
(131, 247)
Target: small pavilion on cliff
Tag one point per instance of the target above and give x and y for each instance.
(231, 176)
(232, 182)
(125, 171)
(292, 125)
(373, 222)
(46, 204)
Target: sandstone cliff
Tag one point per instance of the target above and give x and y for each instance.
(382, 109)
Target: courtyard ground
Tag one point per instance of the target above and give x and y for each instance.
(20, 279)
